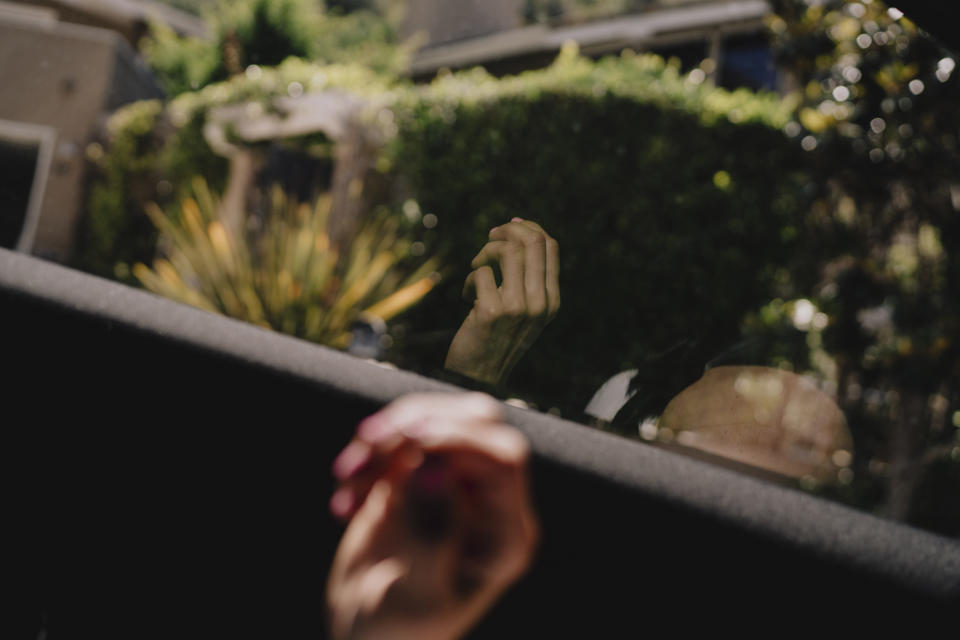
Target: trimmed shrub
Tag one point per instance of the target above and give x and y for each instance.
(154, 149)
(265, 33)
(677, 207)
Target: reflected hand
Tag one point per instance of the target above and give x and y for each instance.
(506, 319)
(435, 488)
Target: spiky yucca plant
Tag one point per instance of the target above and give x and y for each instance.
(285, 276)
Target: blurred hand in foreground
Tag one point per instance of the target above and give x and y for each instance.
(506, 319)
(440, 523)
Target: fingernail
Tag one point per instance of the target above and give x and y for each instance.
(341, 502)
(516, 219)
(373, 428)
(351, 460)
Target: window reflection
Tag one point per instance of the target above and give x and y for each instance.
(762, 279)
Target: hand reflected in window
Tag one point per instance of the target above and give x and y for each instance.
(506, 319)
(440, 523)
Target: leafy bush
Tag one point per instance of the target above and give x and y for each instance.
(284, 276)
(666, 196)
(126, 176)
(881, 103)
(265, 33)
(676, 206)
(153, 150)
(686, 219)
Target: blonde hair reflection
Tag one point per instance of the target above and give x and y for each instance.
(762, 417)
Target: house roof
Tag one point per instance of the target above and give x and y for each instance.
(652, 28)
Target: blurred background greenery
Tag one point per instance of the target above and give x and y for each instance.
(816, 229)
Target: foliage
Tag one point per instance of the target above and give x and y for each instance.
(265, 33)
(153, 150)
(687, 220)
(631, 165)
(112, 236)
(284, 275)
(881, 104)
(674, 204)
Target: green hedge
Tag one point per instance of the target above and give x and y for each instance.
(265, 33)
(681, 210)
(676, 206)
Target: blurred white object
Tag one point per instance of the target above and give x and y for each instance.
(611, 397)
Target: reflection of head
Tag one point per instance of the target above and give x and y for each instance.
(763, 417)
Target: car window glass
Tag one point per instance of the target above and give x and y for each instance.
(727, 229)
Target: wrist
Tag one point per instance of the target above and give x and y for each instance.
(470, 379)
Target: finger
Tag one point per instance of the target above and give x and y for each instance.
(473, 444)
(367, 523)
(487, 440)
(552, 274)
(516, 230)
(385, 442)
(453, 406)
(534, 274)
(534, 241)
(354, 457)
(382, 436)
(353, 491)
(509, 256)
(530, 224)
(481, 286)
(546, 296)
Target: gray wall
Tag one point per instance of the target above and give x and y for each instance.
(66, 77)
(449, 20)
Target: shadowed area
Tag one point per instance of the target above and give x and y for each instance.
(147, 505)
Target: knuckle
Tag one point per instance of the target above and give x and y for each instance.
(486, 311)
(535, 240)
(513, 248)
(537, 308)
(514, 310)
(522, 447)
